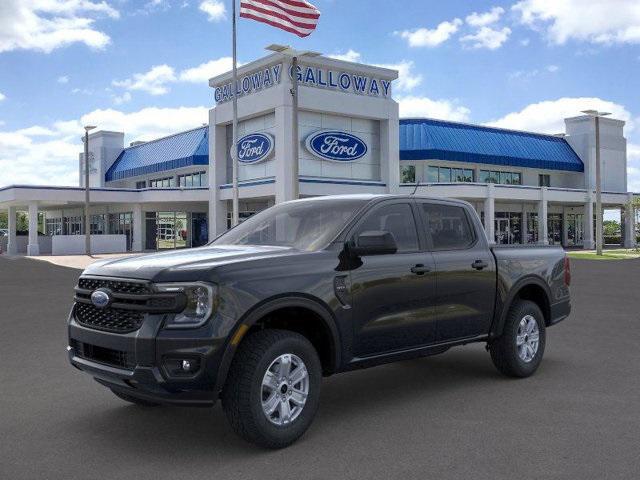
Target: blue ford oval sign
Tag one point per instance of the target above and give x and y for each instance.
(336, 146)
(255, 147)
(101, 298)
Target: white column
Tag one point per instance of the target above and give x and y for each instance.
(12, 247)
(284, 156)
(589, 243)
(629, 223)
(138, 228)
(390, 151)
(489, 214)
(543, 235)
(33, 248)
(219, 156)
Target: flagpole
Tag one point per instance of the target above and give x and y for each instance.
(234, 149)
(294, 130)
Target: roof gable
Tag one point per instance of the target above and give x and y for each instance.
(423, 139)
(175, 151)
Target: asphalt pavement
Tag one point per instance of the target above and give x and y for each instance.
(448, 416)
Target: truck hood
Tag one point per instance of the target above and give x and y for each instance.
(182, 265)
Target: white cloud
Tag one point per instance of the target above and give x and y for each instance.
(349, 56)
(483, 19)
(203, 72)
(414, 106)
(48, 155)
(487, 37)
(214, 9)
(2, 96)
(154, 81)
(45, 25)
(120, 99)
(595, 21)
(548, 116)
(423, 37)
(529, 74)
(63, 79)
(525, 42)
(407, 78)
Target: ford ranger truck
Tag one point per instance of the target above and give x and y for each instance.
(307, 289)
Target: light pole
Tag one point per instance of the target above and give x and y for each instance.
(294, 55)
(87, 218)
(596, 114)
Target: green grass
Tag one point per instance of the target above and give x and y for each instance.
(617, 254)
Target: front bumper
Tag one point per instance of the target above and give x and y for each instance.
(141, 363)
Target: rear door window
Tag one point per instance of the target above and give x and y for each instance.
(448, 226)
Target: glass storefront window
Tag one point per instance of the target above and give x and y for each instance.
(508, 228)
(408, 174)
(444, 174)
(504, 178)
(169, 230)
(432, 174)
(532, 228)
(554, 228)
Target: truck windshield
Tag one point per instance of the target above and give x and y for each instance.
(305, 225)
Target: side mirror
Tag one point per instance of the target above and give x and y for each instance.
(374, 242)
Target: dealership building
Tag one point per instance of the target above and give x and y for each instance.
(176, 191)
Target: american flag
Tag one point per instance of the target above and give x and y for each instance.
(295, 16)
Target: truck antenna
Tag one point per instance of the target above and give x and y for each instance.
(416, 188)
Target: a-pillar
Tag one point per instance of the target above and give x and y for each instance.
(138, 228)
(587, 235)
(489, 214)
(12, 246)
(629, 223)
(543, 235)
(33, 248)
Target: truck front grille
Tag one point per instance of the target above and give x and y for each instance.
(116, 286)
(108, 319)
(106, 356)
(131, 301)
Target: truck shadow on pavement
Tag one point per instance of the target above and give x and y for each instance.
(360, 396)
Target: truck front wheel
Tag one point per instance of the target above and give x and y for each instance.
(272, 392)
(518, 351)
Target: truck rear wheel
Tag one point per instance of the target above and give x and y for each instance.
(519, 350)
(273, 388)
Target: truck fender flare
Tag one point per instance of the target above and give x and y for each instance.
(264, 308)
(501, 315)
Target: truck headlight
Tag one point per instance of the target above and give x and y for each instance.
(200, 298)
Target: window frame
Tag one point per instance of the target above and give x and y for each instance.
(427, 234)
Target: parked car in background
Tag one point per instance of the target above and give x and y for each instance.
(306, 289)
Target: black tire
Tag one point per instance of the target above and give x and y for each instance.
(242, 395)
(137, 401)
(504, 350)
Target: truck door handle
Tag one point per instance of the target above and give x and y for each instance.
(479, 265)
(420, 269)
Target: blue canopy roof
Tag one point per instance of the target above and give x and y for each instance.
(425, 139)
(176, 151)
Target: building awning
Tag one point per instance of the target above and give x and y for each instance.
(176, 151)
(427, 139)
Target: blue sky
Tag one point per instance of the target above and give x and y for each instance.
(142, 66)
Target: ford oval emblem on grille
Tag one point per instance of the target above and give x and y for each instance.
(101, 298)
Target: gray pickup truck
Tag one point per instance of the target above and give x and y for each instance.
(306, 289)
